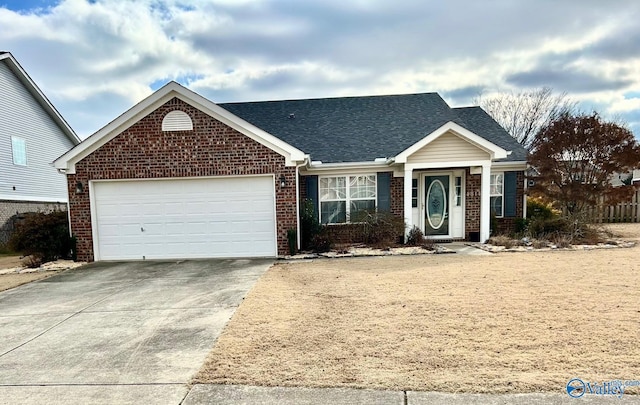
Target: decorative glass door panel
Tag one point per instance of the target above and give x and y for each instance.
(436, 205)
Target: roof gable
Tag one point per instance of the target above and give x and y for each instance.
(13, 65)
(161, 96)
(460, 134)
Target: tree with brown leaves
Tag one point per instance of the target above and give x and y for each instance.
(575, 157)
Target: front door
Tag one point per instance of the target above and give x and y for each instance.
(436, 210)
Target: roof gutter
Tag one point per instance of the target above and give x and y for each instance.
(517, 163)
(318, 166)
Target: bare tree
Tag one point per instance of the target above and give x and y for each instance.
(523, 114)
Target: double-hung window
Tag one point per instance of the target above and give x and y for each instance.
(346, 198)
(496, 187)
(19, 150)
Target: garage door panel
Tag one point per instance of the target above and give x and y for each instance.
(262, 228)
(219, 209)
(241, 206)
(195, 228)
(175, 248)
(221, 217)
(128, 229)
(241, 227)
(110, 231)
(153, 208)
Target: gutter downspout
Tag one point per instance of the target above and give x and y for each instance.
(64, 172)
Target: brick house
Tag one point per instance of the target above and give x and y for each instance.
(178, 176)
(32, 135)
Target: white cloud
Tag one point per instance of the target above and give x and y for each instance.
(95, 59)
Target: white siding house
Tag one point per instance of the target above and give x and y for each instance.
(32, 136)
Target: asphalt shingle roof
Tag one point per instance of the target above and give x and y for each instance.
(360, 129)
(476, 120)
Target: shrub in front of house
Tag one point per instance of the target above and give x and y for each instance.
(42, 236)
(539, 209)
(415, 237)
(381, 228)
(310, 227)
(540, 227)
(292, 240)
(503, 240)
(321, 242)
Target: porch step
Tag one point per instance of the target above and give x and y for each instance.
(448, 240)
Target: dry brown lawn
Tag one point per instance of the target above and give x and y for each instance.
(8, 261)
(12, 280)
(512, 322)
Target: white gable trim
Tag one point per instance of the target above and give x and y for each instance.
(31, 86)
(172, 89)
(494, 150)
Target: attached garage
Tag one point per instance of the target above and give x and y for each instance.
(184, 218)
(178, 177)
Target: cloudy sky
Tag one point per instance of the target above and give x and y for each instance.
(95, 59)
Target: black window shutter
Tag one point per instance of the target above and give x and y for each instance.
(312, 193)
(384, 191)
(510, 187)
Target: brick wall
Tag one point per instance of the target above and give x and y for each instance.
(10, 208)
(143, 151)
(345, 234)
(472, 202)
(302, 188)
(397, 196)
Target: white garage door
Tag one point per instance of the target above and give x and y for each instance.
(195, 218)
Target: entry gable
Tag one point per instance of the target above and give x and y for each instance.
(160, 97)
(454, 143)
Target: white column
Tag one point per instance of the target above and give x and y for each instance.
(408, 213)
(485, 201)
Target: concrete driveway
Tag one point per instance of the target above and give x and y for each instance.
(117, 332)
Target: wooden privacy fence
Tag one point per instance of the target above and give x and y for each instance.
(623, 212)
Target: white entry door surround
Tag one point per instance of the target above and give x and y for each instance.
(441, 204)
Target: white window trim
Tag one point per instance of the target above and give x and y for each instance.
(501, 195)
(457, 190)
(13, 151)
(347, 198)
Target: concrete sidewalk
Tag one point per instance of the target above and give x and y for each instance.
(249, 395)
(202, 394)
(462, 248)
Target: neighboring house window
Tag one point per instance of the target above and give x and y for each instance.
(19, 148)
(346, 198)
(497, 193)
